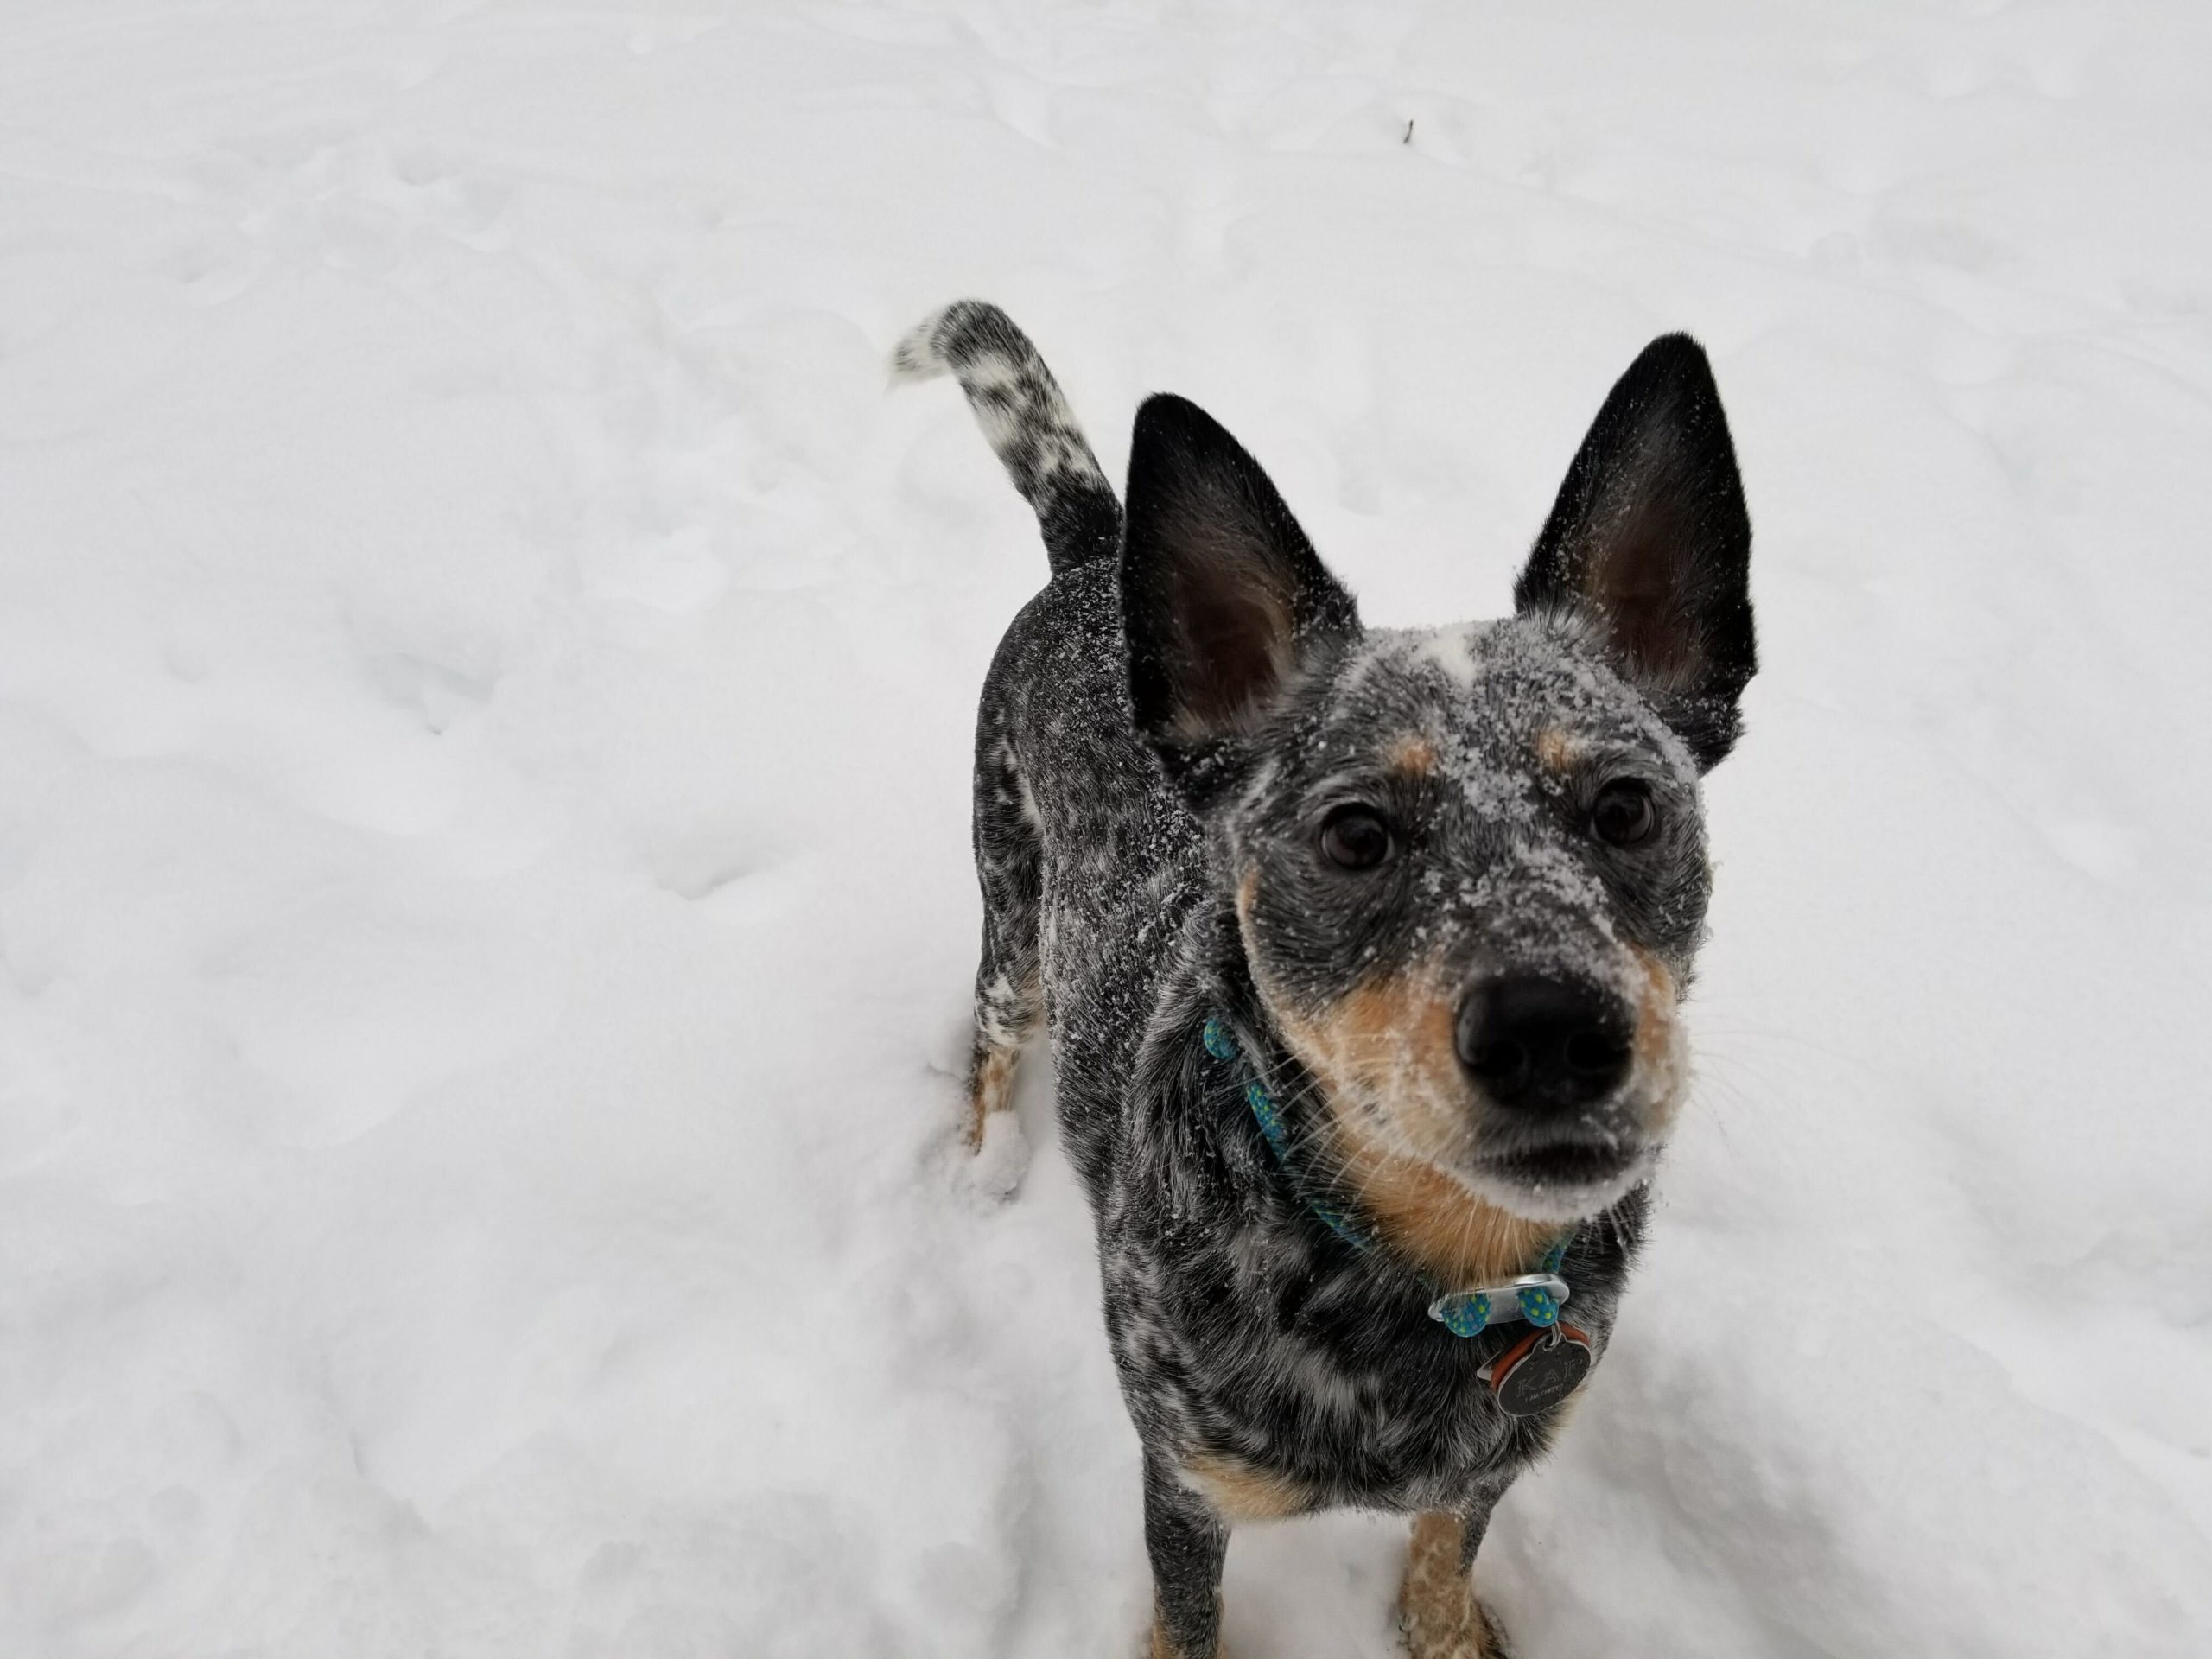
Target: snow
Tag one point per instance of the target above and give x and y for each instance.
(486, 674)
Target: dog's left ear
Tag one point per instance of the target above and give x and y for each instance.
(1225, 602)
(1650, 540)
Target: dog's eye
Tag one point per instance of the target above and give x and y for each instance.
(1356, 838)
(1623, 815)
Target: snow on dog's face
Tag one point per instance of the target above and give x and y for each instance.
(1468, 864)
(1470, 876)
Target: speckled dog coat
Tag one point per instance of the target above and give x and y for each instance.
(1438, 892)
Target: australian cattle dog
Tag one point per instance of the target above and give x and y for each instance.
(1361, 951)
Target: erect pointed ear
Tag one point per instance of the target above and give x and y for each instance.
(1223, 598)
(1650, 541)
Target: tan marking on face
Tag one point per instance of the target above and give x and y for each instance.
(1386, 1046)
(1436, 1608)
(1389, 1066)
(1239, 1492)
(1555, 750)
(1410, 754)
(990, 1090)
(1659, 1047)
(1386, 1051)
(1655, 1008)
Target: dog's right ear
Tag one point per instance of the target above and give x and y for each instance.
(1223, 598)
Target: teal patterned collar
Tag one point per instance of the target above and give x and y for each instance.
(1468, 1312)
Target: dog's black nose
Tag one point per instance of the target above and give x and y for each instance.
(1543, 1044)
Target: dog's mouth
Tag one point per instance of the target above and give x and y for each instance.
(1566, 1179)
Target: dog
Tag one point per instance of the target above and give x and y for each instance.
(1361, 951)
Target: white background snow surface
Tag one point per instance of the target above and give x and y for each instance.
(486, 677)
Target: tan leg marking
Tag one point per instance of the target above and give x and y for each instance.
(1437, 1609)
(1239, 1492)
(990, 1091)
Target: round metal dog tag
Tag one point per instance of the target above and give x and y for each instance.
(1540, 1371)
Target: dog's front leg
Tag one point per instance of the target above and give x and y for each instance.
(1438, 1610)
(1187, 1543)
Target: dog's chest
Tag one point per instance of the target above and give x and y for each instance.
(1258, 1350)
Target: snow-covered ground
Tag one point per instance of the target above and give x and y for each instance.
(485, 683)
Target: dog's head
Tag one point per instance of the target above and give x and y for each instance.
(1468, 864)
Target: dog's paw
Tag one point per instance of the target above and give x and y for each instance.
(991, 1169)
(1478, 1636)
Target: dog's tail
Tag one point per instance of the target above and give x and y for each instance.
(1019, 405)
